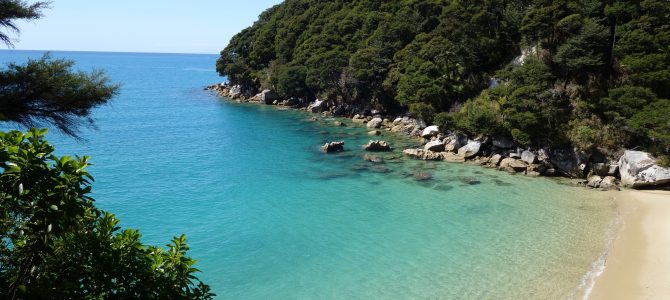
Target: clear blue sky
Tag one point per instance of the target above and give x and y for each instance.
(176, 26)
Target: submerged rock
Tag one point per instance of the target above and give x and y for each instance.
(333, 147)
(372, 158)
(377, 146)
(374, 132)
(639, 169)
(339, 124)
(422, 176)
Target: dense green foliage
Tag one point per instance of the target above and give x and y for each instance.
(55, 244)
(46, 91)
(594, 74)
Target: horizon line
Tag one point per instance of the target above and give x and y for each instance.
(108, 51)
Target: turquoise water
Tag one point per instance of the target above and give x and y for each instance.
(270, 217)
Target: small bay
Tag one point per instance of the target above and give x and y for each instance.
(268, 216)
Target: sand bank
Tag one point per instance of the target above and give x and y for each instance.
(638, 265)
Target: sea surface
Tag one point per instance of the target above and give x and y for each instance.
(268, 216)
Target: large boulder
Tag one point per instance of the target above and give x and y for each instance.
(569, 162)
(470, 149)
(594, 181)
(512, 164)
(333, 147)
(639, 169)
(430, 132)
(268, 96)
(317, 106)
(358, 119)
(423, 154)
(529, 157)
(502, 142)
(375, 123)
(235, 91)
(495, 160)
(436, 145)
(377, 146)
(609, 183)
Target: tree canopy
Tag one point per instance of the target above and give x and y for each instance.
(563, 68)
(46, 91)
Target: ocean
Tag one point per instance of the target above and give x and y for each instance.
(268, 216)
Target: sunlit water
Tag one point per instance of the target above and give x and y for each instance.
(268, 216)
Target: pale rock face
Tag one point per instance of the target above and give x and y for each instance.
(375, 123)
(435, 145)
(397, 121)
(513, 164)
(430, 132)
(470, 149)
(267, 96)
(639, 169)
(317, 106)
(495, 159)
(528, 157)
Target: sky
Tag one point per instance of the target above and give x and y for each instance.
(166, 26)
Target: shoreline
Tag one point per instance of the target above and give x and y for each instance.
(637, 265)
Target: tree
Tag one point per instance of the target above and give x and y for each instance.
(55, 244)
(47, 90)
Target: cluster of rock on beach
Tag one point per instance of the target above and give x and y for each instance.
(635, 169)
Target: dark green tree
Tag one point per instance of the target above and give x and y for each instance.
(46, 90)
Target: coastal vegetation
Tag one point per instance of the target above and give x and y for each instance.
(54, 242)
(584, 73)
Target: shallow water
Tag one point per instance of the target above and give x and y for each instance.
(268, 216)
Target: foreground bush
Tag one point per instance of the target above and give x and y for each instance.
(55, 244)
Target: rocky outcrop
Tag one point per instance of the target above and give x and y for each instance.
(268, 96)
(377, 146)
(423, 154)
(317, 106)
(513, 165)
(528, 157)
(470, 149)
(436, 146)
(430, 132)
(639, 169)
(571, 163)
(333, 147)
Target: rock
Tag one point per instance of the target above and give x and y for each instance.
(339, 124)
(503, 143)
(372, 158)
(437, 146)
(515, 155)
(452, 157)
(430, 132)
(536, 168)
(569, 162)
(512, 164)
(609, 183)
(375, 123)
(495, 160)
(377, 146)
(317, 106)
(333, 147)
(374, 132)
(422, 176)
(423, 154)
(267, 96)
(235, 91)
(639, 169)
(397, 121)
(470, 149)
(594, 181)
(528, 157)
(293, 102)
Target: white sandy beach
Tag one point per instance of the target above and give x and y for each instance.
(638, 265)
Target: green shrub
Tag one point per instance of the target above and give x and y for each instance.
(422, 111)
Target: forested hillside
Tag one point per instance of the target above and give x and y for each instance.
(593, 74)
